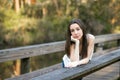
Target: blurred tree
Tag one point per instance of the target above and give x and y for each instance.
(18, 4)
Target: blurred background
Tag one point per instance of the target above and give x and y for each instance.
(30, 22)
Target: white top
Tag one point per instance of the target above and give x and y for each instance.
(91, 36)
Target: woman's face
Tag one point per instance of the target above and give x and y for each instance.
(76, 31)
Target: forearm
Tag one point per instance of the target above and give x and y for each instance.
(76, 63)
(77, 48)
(83, 61)
(76, 52)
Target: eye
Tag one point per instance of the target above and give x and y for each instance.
(72, 30)
(77, 29)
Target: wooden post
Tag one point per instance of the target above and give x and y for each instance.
(99, 47)
(118, 42)
(25, 65)
(17, 5)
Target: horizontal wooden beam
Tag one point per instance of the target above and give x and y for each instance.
(35, 73)
(46, 48)
(107, 37)
(30, 51)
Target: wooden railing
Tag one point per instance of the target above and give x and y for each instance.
(24, 53)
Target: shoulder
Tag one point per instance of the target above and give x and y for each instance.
(90, 38)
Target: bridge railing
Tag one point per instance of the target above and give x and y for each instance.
(24, 53)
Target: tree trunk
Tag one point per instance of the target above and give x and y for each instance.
(17, 5)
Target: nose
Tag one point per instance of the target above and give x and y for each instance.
(76, 32)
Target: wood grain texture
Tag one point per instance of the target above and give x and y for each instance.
(30, 51)
(46, 48)
(70, 73)
(56, 70)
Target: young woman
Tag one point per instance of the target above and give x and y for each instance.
(79, 45)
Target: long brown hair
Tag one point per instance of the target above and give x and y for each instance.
(83, 52)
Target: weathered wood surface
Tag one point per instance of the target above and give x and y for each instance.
(70, 73)
(36, 73)
(54, 67)
(41, 49)
(46, 48)
(111, 72)
(104, 38)
(30, 51)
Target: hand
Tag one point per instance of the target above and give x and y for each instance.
(72, 64)
(74, 40)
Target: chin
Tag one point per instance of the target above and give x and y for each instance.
(79, 38)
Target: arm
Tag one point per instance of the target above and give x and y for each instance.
(74, 50)
(74, 53)
(90, 49)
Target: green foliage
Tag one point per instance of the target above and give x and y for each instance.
(6, 4)
(32, 11)
(6, 70)
(33, 25)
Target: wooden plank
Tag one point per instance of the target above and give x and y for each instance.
(30, 75)
(105, 38)
(29, 51)
(46, 48)
(70, 73)
(25, 65)
(110, 72)
(54, 67)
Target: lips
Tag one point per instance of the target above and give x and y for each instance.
(77, 37)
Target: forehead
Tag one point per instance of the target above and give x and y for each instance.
(75, 25)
